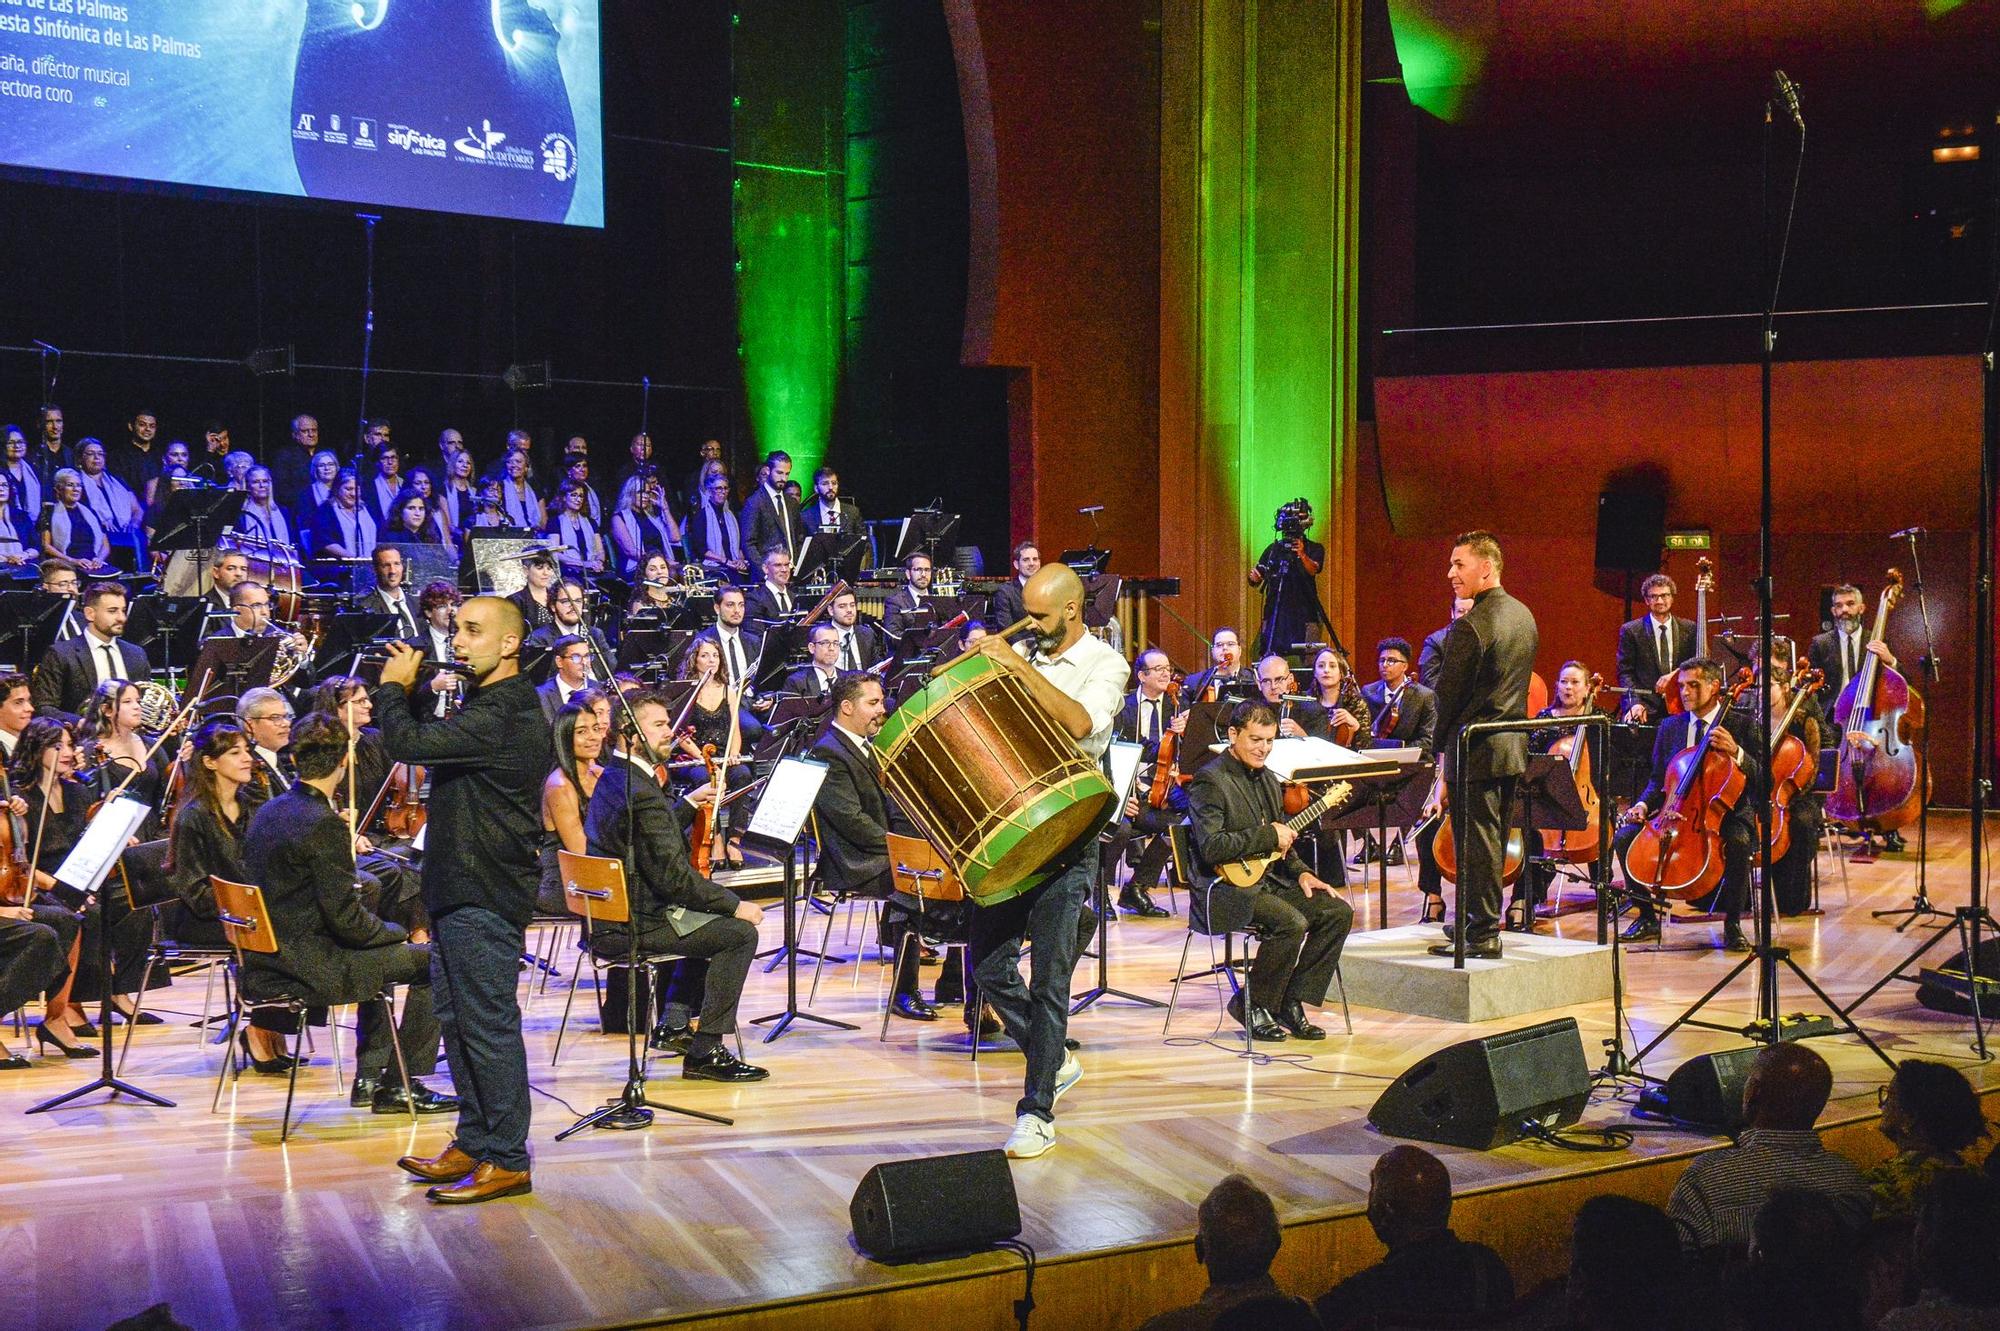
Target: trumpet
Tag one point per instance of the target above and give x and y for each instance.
(380, 656)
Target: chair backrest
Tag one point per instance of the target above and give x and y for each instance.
(594, 887)
(918, 869)
(1184, 868)
(245, 921)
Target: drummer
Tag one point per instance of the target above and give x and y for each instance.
(1080, 681)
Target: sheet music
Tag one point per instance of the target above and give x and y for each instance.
(1124, 759)
(87, 866)
(789, 793)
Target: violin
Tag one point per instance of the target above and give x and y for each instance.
(1444, 846)
(1678, 853)
(1794, 762)
(1704, 583)
(1164, 771)
(1579, 846)
(707, 831)
(13, 848)
(403, 811)
(1881, 782)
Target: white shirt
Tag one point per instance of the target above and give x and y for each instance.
(270, 758)
(735, 652)
(1147, 708)
(107, 667)
(1092, 672)
(393, 603)
(1709, 722)
(7, 742)
(784, 519)
(829, 516)
(781, 595)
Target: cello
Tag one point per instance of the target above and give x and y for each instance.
(1704, 583)
(1444, 847)
(1578, 846)
(1678, 853)
(1880, 782)
(1794, 763)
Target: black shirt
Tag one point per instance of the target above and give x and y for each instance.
(1442, 1277)
(482, 843)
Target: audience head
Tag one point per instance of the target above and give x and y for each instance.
(1958, 1238)
(1624, 1265)
(1409, 1196)
(1931, 1108)
(1787, 1088)
(143, 426)
(1267, 1312)
(325, 466)
(1236, 1232)
(1807, 1267)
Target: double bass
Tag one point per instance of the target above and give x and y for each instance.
(1794, 763)
(1578, 846)
(1880, 779)
(1704, 583)
(1678, 853)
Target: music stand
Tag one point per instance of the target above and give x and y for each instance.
(821, 550)
(173, 623)
(193, 519)
(349, 634)
(1088, 563)
(34, 618)
(796, 707)
(489, 563)
(1548, 800)
(1102, 590)
(775, 827)
(641, 645)
(1393, 801)
(1124, 758)
(1208, 726)
(88, 864)
(924, 530)
(237, 664)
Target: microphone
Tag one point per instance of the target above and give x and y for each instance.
(1788, 94)
(1907, 531)
(1092, 508)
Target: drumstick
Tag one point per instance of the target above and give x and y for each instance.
(1025, 621)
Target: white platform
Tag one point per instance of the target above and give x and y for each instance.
(1391, 969)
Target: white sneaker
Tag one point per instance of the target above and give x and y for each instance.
(1068, 1075)
(1031, 1137)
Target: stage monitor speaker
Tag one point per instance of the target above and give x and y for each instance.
(1956, 997)
(1631, 530)
(1480, 1093)
(934, 1206)
(1705, 1092)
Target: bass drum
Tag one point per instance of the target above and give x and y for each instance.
(997, 786)
(274, 564)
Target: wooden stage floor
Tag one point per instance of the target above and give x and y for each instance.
(111, 1206)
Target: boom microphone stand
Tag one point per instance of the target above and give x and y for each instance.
(1920, 910)
(1770, 1026)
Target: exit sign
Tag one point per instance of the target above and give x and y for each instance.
(1687, 540)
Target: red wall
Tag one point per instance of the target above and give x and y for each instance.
(1064, 159)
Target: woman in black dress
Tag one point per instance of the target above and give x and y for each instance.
(207, 838)
(710, 718)
(54, 816)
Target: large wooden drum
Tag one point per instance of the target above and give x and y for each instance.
(996, 785)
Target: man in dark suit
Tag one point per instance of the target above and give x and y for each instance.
(1430, 657)
(828, 511)
(674, 909)
(1007, 607)
(1839, 652)
(1703, 709)
(331, 948)
(771, 599)
(569, 674)
(770, 518)
(73, 667)
(1237, 810)
(487, 764)
(1303, 719)
(1403, 713)
(1489, 653)
(1224, 672)
(741, 647)
(860, 642)
(1149, 715)
(568, 599)
(904, 604)
(817, 678)
(1649, 648)
(854, 818)
(391, 596)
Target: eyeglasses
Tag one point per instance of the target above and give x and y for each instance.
(273, 716)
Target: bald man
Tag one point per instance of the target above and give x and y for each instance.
(480, 873)
(1430, 1275)
(1719, 1195)
(1079, 680)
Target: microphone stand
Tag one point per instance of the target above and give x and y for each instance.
(1920, 910)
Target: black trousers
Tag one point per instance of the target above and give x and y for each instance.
(1150, 827)
(1791, 875)
(31, 954)
(1739, 839)
(1482, 853)
(416, 1030)
(709, 983)
(131, 935)
(1299, 939)
(475, 969)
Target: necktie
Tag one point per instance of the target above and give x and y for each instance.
(112, 669)
(1700, 732)
(1666, 649)
(1153, 721)
(849, 657)
(735, 659)
(1847, 651)
(784, 603)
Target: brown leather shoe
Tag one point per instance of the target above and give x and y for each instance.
(449, 1167)
(487, 1182)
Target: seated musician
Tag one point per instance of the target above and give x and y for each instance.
(855, 815)
(630, 818)
(207, 838)
(1151, 713)
(719, 720)
(1736, 739)
(1649, 648)
(1573, 698)
(971, 631)
(579, 729)
(1792, 872)
(1225, 671)
(53, 809)
(1298, 716)
(816, 678)
(331, 948)
(535, 595)
(1333, 688)
(860, 642)
(1237, 810)
(771, 599)
(568, 599)
(439, 606)
(391, 884)
(1403, 712)
(1006, 607)
(741, 648)
(907, 600)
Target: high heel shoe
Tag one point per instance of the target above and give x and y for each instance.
(11, 1061)
(44, 1038)
(1433, 911)
(270, 1067)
